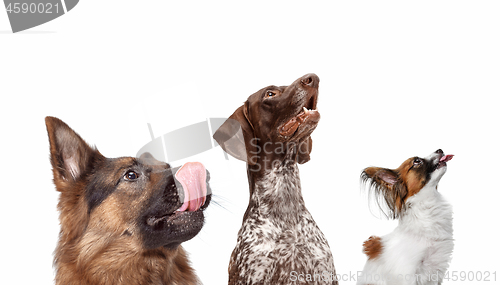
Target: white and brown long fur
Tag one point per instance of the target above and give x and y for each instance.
(419, 250)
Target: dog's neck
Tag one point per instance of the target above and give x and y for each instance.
(275, 193)
(158, 266)
(428, 215)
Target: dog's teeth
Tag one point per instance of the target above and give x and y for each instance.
(305, 110)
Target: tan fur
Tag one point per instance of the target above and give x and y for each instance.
(104, 246)
(414, 180)
(100, 252)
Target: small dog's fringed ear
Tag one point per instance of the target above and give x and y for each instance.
(305, 148)
(236, 136)
(381, 176)
(387, 187)
(70, 155)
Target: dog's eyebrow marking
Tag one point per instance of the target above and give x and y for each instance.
(272, 87)
(129, 166)
(124, 168)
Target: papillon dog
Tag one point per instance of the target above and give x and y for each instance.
(419, 250)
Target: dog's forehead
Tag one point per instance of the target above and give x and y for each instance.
(153, 163)
(256, 99)
(406, 165)
(120, 164)
(157, 167)
(257, 96)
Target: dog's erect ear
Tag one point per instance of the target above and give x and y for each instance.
(236, 135)
(70, 155)
(305, 148)
(386, 186)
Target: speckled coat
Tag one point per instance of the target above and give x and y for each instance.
(279, 242)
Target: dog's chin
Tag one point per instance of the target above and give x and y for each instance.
(172, 229)
(177, 228)
(186, 224)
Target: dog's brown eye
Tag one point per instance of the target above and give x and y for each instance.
(131, 175)
(270, 94)
(417, 161)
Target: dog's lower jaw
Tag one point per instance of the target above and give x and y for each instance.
(279, 236)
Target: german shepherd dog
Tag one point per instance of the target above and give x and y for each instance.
(123, 219)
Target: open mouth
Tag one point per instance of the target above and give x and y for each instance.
(442, 161)
(308, 114)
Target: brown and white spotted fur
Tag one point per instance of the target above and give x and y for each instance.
(279, 242)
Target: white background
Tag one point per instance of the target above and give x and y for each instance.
(397, 80)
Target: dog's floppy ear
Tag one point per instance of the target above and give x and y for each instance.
(70, 155)
(236, 134)
(305, 148)
(386, 184)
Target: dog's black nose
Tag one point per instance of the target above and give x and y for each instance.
(310, 79)
(439, 151)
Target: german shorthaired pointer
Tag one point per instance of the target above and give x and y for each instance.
(279, 242)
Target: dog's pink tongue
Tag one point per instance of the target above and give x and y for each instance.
(192, 177)
(446, 158)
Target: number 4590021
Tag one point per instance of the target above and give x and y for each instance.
(471, 276)
(33, 8)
